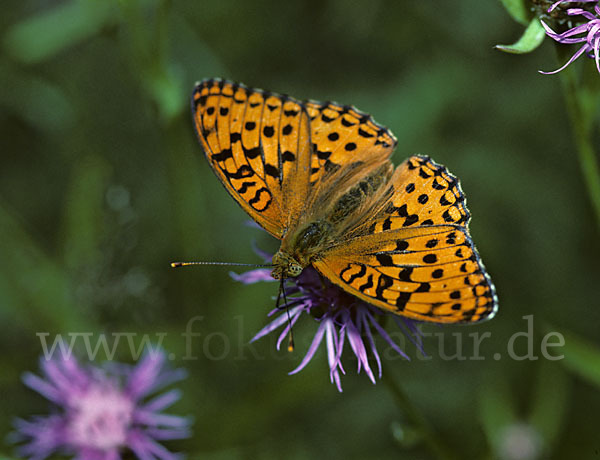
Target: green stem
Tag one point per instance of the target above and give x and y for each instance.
(581, 123)
(437, 447)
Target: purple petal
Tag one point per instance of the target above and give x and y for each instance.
(267, 257)
(555, 4)
(276, 323)
(253, 276)
(311, 350)
(56, 376)
(338, 342)
(358, 346)
(332, 354)
(46, 433)
(143, 377)
(581, 12)
(387, 338)
(161, 452)
(597, 53)
(157, 419)
(252, 224)
(562, 38)
(410, 330)
(292, 320)
(75, 372)
(163, 401)
(367, 330)
(166, 434)
(575, 56)
(42, 387)
(139, 444)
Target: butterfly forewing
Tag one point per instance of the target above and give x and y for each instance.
(272, 152)
(342, 135)
(229, 123)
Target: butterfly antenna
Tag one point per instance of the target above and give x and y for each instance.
(185, 264)
(287, 310)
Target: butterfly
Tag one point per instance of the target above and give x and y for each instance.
(317, 176)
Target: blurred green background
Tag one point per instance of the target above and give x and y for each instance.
(103, 184)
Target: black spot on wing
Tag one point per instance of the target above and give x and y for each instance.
(423, 287)
(368, 285)
(222, 156)
(384, 260)
(252, 153)
(242, 172)
(402, 300)
(260, 193)
(347, 123)
(268, 131)
(363, 133)
(405, 274)
(272, 171)
(360, 273)
(383, 283)
(288, 156)
(244, 188)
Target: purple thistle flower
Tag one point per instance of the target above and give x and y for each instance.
(587, 33)
(102, 412)
(342, 318)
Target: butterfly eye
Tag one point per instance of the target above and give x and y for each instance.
(294, 269)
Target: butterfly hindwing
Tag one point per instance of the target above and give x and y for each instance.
(422, 193)
(414, 256)
(430, 273)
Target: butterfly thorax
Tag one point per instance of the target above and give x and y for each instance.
(305, 244)
(300, 248)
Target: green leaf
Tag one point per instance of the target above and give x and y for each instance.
(582, 358)
(40, 37)
(530, 40)
(516, 8)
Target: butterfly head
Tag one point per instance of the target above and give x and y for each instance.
(286, 266)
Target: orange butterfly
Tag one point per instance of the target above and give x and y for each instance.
(318, 177)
